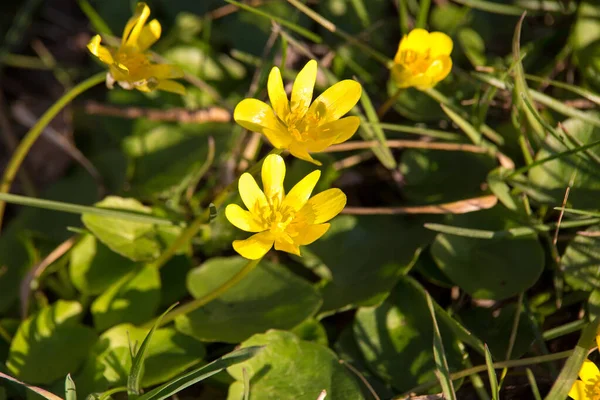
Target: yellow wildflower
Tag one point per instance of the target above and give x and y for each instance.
(129, 65)
(288, 221)
(298, 125)
(588, 387)
(423, 59)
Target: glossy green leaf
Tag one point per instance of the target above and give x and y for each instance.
(396, 338)
(37, 350)
(93, 267)
(581, 261)
(270, 297)
(138, 241)
(367, 280)
(311, 330)
(286, 355)
(134, 298)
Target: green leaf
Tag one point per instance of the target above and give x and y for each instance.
(473, 45)
(586, 41)
(396, 337)
(311, 330)
(568, 374)
(137, 365)
(581, 261)
(42, 392)
(269, 297)
(109, 362)
(489, 269)
(553, 177)
(93, 267)
(367, 280)
(198, 375)
(138, 241)
(134, 298)
(285, 355)
(37, 352)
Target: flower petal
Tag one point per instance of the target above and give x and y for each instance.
(323, 207)
(334, 132)
(589, 371)
(100, 51)
(171, 86)
(277, 95)
(257, 116)
(134, 26)
(336, 101)
(302, 91)
(149, 35)
(300, 151)
(164, 71)
(440, 44)
(288, 247)
(251, 194)
(417, 40)
(255, 247)
(273, 173)
(242, 219)
(311, 233)
(578, 391)
(300, 193)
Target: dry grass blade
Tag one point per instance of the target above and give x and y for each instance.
(408, 144)
(456, 207)
(211, 114)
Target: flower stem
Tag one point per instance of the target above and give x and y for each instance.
(34, 133)
(216, 293)
(385, 107)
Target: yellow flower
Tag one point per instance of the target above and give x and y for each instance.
(298, 125)
(423, 59)
(129, 65)
(288, 221)
(588, 388)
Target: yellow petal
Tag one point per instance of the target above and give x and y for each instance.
(578, 392)
(164, 71)
(323, 207)
(255, 247)
(286, 246)
(279, 100)
(312, 233)
(334, 132)
(134, 27)
(417, 40)
(402, 76)
(300, 193)
(242, 219)
(100, 51)
(257, 116)
(440, 44)
(589, 371)
(336, 101)
(273, 173)
(251, 194)
(302, 91)
(299, 150)
(171, 86)
(149, 35)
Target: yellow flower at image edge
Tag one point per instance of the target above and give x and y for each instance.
(129, 65)
(297, 125)
(588, 387)
(423, 59)
(287, 221)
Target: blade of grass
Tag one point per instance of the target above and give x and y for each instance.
(284, 22)
(403, 17)
(374, 131)
(418, 131)
(361, 12)
(178, 384)
(42, 392)
(507, 9)
(70, 390)
(246, 384)
(442, 370)
(533, 384)
(568, 374)
(423, 14)
(491, 374)
(78, 209)
(136, 372)
(578, 212)
(591, 96)
(565, 329)
(99, 25)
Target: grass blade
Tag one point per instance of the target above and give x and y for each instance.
(137, 365)
(42, 392)
(176, 385)
(374, 131)
(78, 209)
(442, 370)
(533, 384)
(70, 391)
(568, 374)
(492, 374)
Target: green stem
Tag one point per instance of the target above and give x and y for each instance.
(34, 133)
(197, 303)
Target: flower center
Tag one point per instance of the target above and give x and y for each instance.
(135, 62)
(275, 217)
(592, 388)
(418, 62)
(302, 126)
